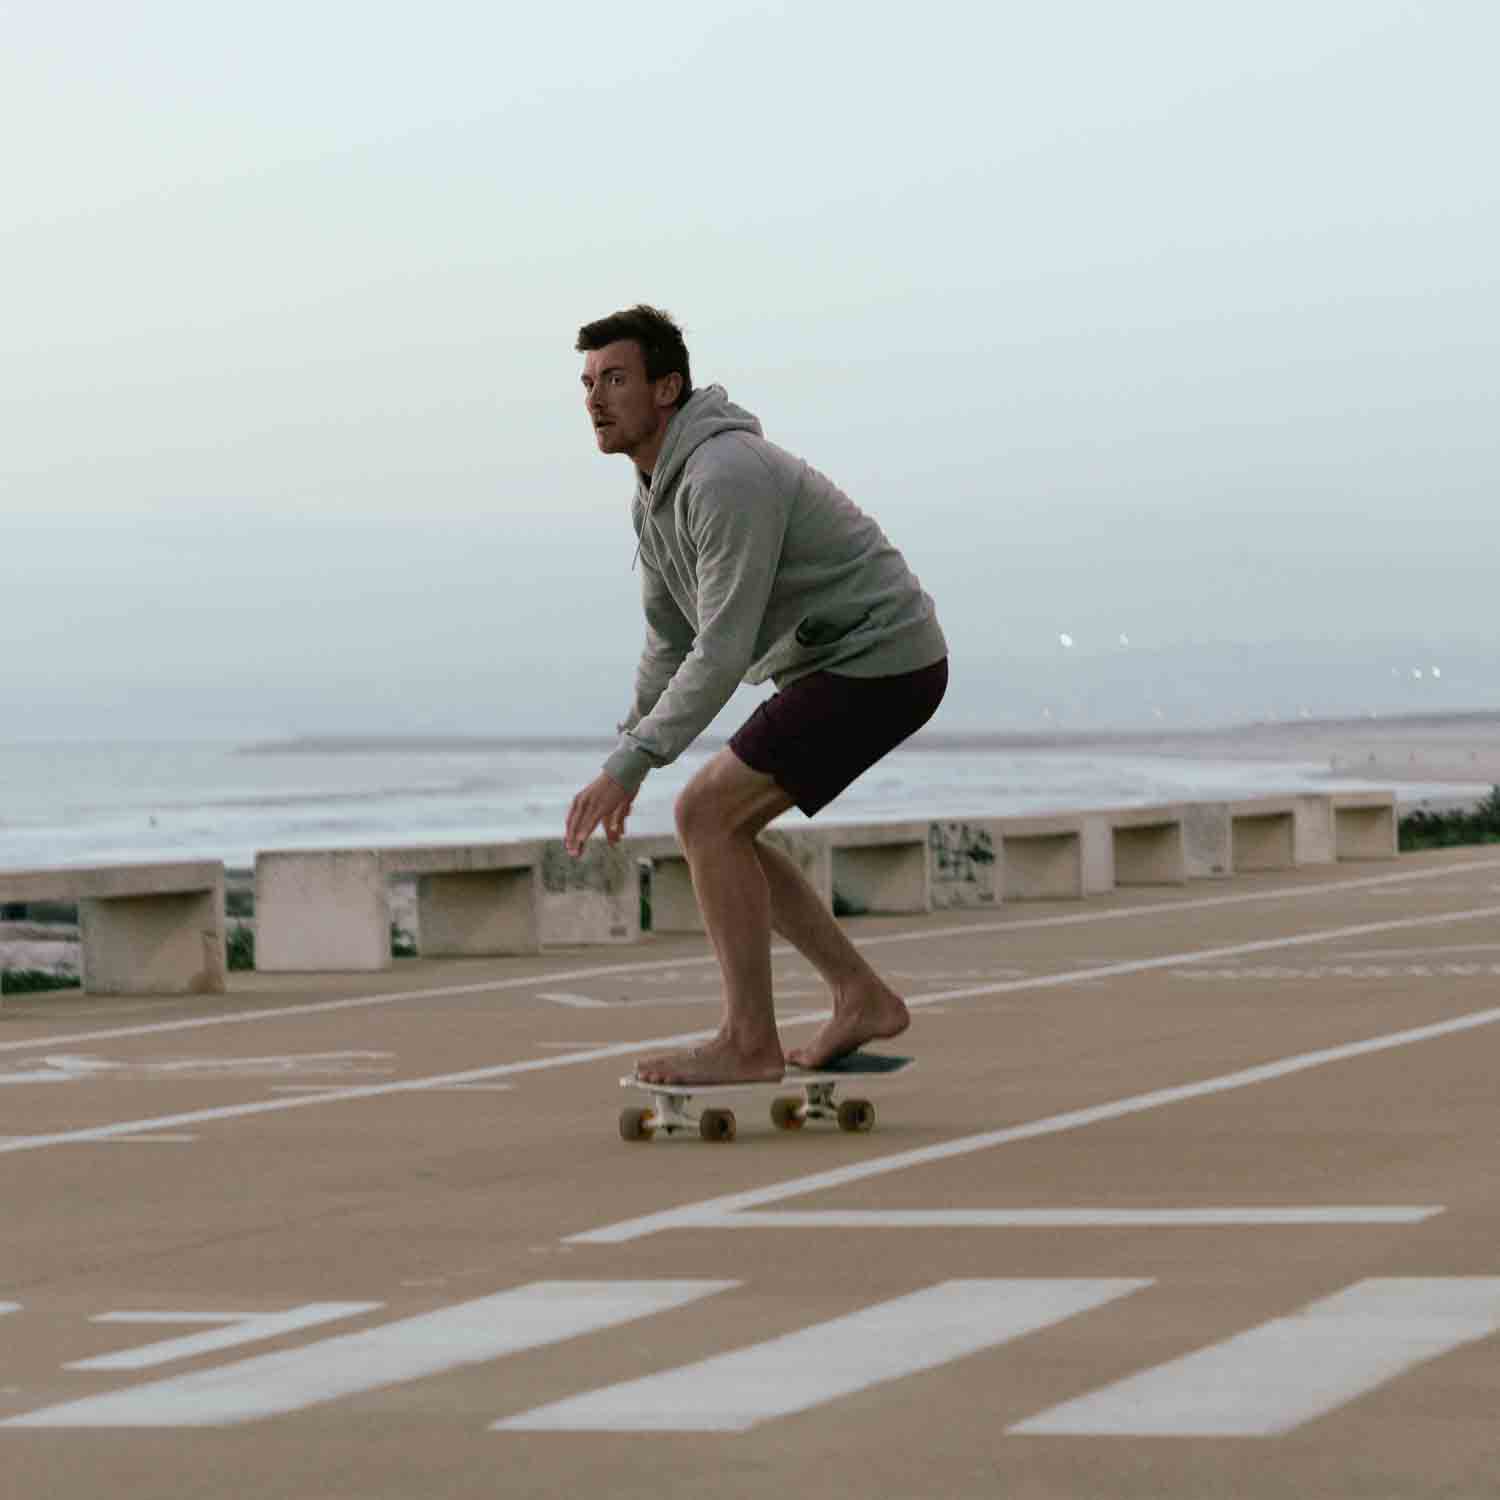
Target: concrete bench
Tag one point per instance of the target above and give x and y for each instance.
(880, 867)
(674, 905)
(1258, 833)
(329, 910)
(149, 929)
(1131, 846)
(1041, 857)
(1364, 825)
(593, 900)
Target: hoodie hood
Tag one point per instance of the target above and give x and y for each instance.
(708, 413)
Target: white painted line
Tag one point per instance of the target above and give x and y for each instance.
(1385, 955)
(132, 1128)
(667, 965)
(245, 1328)
(474, 1088)
(706, 1212)
(1201, 955)
(1290, 1370)
(9, 1307)
(1068, 1218)
(577, 1002)
(268, 1385)
(175, 1138)
(794, 1018)
(737, 1391)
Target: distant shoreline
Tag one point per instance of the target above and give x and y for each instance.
(1232, 735)
(1458, 746)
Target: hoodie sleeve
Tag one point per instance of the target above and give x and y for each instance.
(669, 638)
(736, 520)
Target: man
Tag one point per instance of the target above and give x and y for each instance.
(753, 567)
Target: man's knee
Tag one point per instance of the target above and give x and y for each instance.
(726, 799)
(693, 812)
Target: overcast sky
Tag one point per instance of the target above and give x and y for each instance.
(1172, 319)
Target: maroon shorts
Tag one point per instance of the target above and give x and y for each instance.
(822, 731)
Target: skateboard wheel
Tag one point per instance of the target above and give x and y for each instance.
(635, 1126)
(786, 1113)
(716, 1125)
(856, 1115)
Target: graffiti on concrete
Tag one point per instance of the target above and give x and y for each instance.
(963, 864)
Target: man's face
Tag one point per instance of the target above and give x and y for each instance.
(629, 412)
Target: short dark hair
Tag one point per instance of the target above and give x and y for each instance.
(660, 339)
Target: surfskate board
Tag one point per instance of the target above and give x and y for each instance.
(672, 1111)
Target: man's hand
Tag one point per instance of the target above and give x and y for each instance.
(603, 800)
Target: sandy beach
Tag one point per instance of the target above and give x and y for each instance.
(1438, 748)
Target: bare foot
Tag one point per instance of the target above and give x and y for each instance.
(858, 1017)
(718, 1061)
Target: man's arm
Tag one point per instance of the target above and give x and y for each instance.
(669, 638)
(737, 520)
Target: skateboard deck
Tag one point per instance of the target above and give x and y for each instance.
(671, 1110)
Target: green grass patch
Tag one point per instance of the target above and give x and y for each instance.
(240, 941)
(35, 981)
(1448, 830)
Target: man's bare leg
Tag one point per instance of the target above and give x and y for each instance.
(865, 1007)
(719, 813)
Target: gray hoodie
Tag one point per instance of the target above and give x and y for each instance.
(754, 566)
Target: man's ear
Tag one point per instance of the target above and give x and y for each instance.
(668, 389)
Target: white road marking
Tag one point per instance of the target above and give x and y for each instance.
(1069, 1218)
(268, 1385)
(736, 1391)
(794, 1018)
(1263, 974)
(578, 1002)
(245, 1328)
(9, 1307)
(474, 1088)
(175, 1138)
(63, 1068)
(1290, 1370)
(1384, 955)
(666, 966)
(706, 1212)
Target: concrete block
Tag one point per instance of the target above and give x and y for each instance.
(1263, 840)
(154, 945)
(474, 900)
(478, 913)
(1281, 833)
(1312, 829)
(1207, 836)
(873, 878)
(963, 860)
(1149, 846)
(321, 911)
(674, 906)
(1041, 859)
(878, 867)
(594, 899)
(144, 929)
(1097, 854)
(1364, 825)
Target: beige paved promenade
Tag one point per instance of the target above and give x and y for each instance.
(1191, 1193)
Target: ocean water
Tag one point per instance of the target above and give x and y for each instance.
(113, 803)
